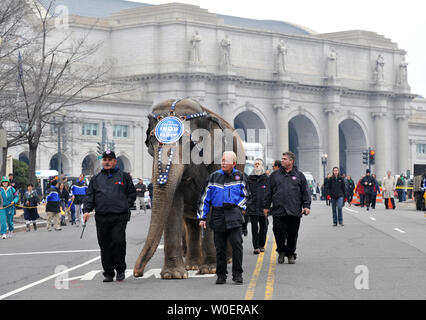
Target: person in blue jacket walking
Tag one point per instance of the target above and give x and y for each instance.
(226, 194)
(53, 204)
(9, 197)
(78, 192)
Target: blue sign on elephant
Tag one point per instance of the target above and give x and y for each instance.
(169, 130)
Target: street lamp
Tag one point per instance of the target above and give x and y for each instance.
(324, 163)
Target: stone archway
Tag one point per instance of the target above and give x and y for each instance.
(90, 165)
(124, 164)
(304, 142)
(65, 165)
(254, 133)
(352, 141)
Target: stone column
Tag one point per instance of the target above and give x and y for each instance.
(282, 142)
(139, 144)
(333, 138)
(403, 151)
(227, 110)
(382, 155)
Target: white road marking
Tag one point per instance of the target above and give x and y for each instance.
(371, 218)
(399, 230)
(46, 252)
(53, 276)
(350, 210)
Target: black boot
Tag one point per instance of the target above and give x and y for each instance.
(35, 226)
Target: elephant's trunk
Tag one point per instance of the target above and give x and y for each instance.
(162, 199)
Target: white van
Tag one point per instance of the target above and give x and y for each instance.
(312, 184)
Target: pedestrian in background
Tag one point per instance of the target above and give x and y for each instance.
(78, 192)
(400, 187)
(287, 192)
(226, 194)
(327, 201)
(276, 166)
(360, 191)
(376, 190)
(53, 207)
(388, 185)
(9, 198)
(350, 190)
(337, 195)
(257, 185)
(63, 195)
(140, 195)
(368, 183)
(111, 193)
(30, 200)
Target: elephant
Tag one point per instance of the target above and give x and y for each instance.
(175, 202)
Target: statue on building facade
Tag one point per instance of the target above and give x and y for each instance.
(225, 61)
(379, 71)
(282, 52)
(331, 64)
(195, 49)
(403, 78)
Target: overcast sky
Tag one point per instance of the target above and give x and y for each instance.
(404, 22)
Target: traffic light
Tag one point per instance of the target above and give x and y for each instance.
(100, 148)
(372, 156)
(365, 157)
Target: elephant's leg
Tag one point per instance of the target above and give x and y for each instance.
(174, 267)
(193, 253)
(208, 264)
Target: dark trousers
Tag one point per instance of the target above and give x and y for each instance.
(361, 200)
(368, 199)
(286, 230)
(387, 202)
(259, 228)
(234, 236)
(373, 200)
(111, 231)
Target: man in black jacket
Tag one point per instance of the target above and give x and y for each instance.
(111, 193)
(140, 196)
(287, 191)
(368, 183)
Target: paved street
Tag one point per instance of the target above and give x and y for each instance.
(380, 254)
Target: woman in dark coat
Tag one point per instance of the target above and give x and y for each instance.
(30, 201)
(259, 223)
(63, 195)
(336, 192)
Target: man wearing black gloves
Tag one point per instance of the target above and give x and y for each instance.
(287, 191)
(111, 193)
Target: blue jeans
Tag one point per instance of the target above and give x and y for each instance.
(337, 205)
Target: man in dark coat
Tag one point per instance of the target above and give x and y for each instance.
(287, 191)
(111, 193)
(257, 185)
(368, 182)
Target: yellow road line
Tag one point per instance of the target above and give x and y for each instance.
(271, 273)
(255, 276)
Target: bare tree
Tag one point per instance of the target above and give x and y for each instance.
(56, 73)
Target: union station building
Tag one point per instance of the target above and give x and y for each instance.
(333, 94)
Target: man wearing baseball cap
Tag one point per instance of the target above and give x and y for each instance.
(111, 193)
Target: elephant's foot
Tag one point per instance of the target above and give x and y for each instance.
(174, 273)
(137, 273)
(207, 269)
(192, 267)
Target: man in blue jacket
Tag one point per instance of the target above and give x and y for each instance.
(53, 203)
(78, 192)
(226, 194)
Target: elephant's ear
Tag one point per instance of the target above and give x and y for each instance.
(148, 134)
